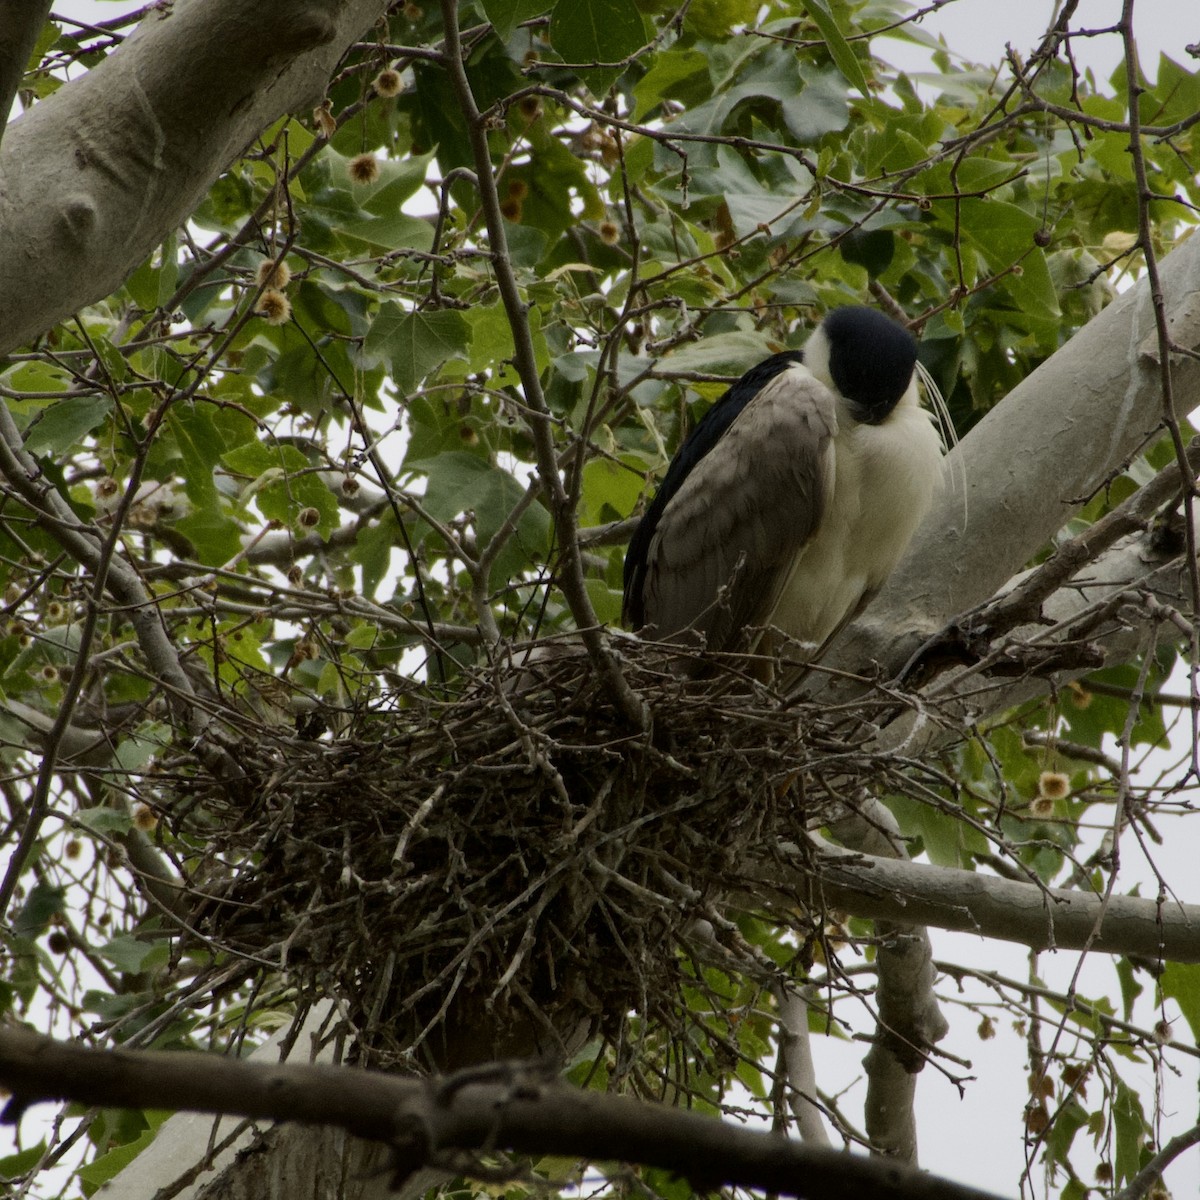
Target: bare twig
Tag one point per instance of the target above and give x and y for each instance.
(541, 426)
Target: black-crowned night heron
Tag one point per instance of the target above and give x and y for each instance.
(793, 499)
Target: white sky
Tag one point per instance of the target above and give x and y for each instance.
(978, 1138)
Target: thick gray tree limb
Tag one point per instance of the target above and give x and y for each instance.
(20, 23)
(909, 1020)
(973, 902)
(795, 1048)
(1121, 604)
(1032, 462)
(94, 177)
(201, 1157)
(506, 1106)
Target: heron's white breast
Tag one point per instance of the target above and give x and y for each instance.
(884, 480)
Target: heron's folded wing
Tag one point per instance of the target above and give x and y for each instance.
(727, 540)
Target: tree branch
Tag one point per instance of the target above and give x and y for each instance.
(909, 1020)
(93, 177)
(541, 427)
(1151, 1173)
(1032, 462)
(972, 902)
(86, 545)
(501, 1106)
(1100, 617)
(20, 23)
(795, 1051)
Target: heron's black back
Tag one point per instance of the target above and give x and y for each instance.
(712, 427)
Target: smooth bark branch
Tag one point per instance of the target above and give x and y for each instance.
(909, 1020)
(93, 177)
(795, 1049)
(20, 23)
(972, 902)
(1151, 1173)
(1032, 462)
(1105, 609)
(502, 1109)
(1024, 601)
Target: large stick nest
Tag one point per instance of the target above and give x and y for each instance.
(512, 869)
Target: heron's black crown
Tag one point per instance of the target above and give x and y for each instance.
(871, 360)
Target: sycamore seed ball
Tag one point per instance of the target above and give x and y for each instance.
(274, 307)
(387, 83)
(363, 168)
(273, 274)
(1041, 807)
(1053, 785)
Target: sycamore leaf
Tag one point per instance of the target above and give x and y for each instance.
(839, 48)
(415, 343)
(506, 15)
(597, 31)
(64, 423)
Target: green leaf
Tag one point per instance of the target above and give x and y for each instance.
(948, 842)
(820, 108)
(871, 249)
(1130, 1124)
(136, 752)
(752, 205)
(1181, 982)
(214, 534)
(395, 231)
(398, 181)
(1131, 989)
(15, 1165)
(459, 481)
(200, 448)
(1070, 1119)
(1034, 288)
(372, 550)
(492, 342)
(610, 490)
(731, 352)
(597, 31)
(62, 425)
(607, 601)
(713, 19)
(96, 1174)
(283, 484)
(839, 48)
(41, 906)
(128, 954)
(109, 822)
(215, 538)
(415, 343)
(674, 74)
(506, 15)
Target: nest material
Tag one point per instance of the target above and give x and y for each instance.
(510, 871)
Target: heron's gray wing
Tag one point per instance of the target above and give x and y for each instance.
(727, 541)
